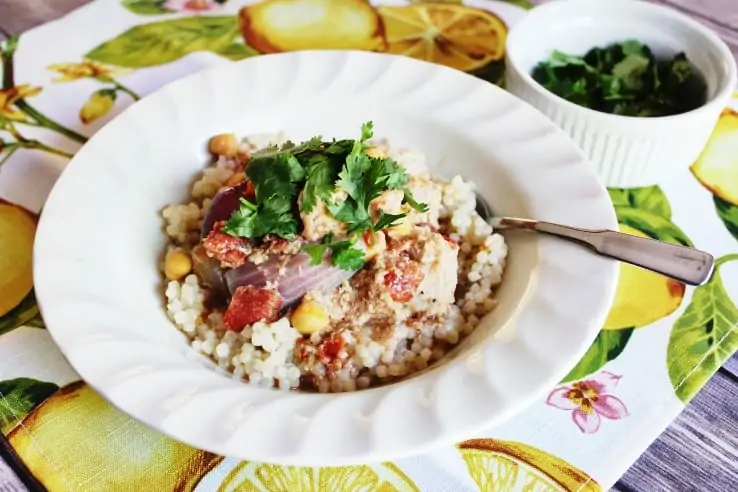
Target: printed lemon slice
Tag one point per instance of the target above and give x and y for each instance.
(273, 26)
(717, 167)
(76, 431)
(505, 465)
(642, 296)
(460, 37)
(17, 229)
(259, 477)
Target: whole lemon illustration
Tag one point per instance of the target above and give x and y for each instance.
(259, 477)
(506, 465)
(457, 36)
(274, 26)
(717, 167)
(76, 441)
(642, 296)
(17, 230)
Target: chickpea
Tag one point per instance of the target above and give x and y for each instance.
(375, 152)
(309, 317)
(225, 144)
(404, 228)
(177, 264)
(375, 245)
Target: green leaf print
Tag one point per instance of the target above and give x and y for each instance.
(606, 347)
(728, 213)
(18, 397)
(236, 51)
(649, 198)
(523, 4)
(157, 43)
(703, 337)
(24, 314)
(655, 226)
(145, 7)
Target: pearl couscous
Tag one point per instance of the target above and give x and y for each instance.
(427, 280)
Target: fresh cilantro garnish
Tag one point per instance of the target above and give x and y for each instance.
(343, 254)
(386, 221)
(408, 198)
(320, 183)
(347, 257)
(318, 169)
(316, 252)
(275, 175)
(624, 78)
(364, 178)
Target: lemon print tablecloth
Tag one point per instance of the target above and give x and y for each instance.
(61, 82)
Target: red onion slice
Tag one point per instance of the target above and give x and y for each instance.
(209, 271)
(292, 275)
(225, 202)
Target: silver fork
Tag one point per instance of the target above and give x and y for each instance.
(688, 265)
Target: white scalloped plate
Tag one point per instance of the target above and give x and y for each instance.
(100, 235)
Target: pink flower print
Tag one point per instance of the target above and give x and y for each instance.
(191, 6)
(589, 400)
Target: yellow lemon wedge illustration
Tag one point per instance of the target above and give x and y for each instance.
(17, 230)
(717, 167)
(258, 477)
(642, 296)
(273, 26)
(77, 441)
(506, 465)
(457, 36)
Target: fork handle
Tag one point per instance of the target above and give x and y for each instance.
(688, 265)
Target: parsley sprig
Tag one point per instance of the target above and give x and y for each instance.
(319, 169)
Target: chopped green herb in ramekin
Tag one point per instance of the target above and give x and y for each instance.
(624, 79)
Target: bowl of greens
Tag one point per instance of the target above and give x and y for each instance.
(637, 86)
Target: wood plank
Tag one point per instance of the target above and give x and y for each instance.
(722, 11)
(8, 481)
(731, 367)
(17, 16)
(698, 451)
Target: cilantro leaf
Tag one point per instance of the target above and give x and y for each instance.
(624, 78)
(354, 216)
(319, 184)
(241, 222)
(316, 253)
(410, 200)
(275, 175)
(385, 221)
(343, 254)
(347, 257)
(365, 178)
(367, 131)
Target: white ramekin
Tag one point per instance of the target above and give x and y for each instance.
(627, 151)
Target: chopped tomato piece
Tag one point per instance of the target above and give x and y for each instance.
(330, 347)
(251, 304)
(403, 281)
(250, 191)
(368, 237)
(231, 251)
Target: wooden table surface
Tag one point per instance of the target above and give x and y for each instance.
(699, 450)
